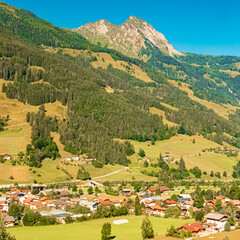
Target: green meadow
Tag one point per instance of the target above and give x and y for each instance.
(91, 230)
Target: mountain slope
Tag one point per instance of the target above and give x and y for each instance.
(130, 38)
(96, 117)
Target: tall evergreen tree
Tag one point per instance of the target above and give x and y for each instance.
(147, 229)
(106, 231)
(138, 208)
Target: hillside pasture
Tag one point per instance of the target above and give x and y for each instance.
(212, 162)
(19, 173)
(177, 146)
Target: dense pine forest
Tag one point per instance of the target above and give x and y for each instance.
(95, 117)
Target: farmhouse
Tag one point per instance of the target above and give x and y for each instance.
(152, 190)
(184, 197)
(155, 210)
(170, 202)
(217, 220)
(187, 204)
(6, 157)
(9, 221)
(193, 227)
(39, 187)
(126, 192)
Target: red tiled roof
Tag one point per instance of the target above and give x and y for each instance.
(107, 202)
(163, 188)
(194, 227)
(156, 207)
(169, 201)
(28, 200)
(37, 204)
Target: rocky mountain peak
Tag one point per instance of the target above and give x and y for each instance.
(128, 38)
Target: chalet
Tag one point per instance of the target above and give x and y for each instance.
(39, 187)
(4, 205)
(185, 212)
(211, 203)
(75, 158)
(193, 227)
(155, 210)
(171, 203)
(147, 202)
(152, 190)
(166, 157)
(9, 221)
(27, 201)
(74, 200)
(184, 197)
(93, 184)
(63, 194)
(117, 203)
(35, 205)
(6, 157)
(236, 203)
(217, 220)
(164, 189)
(91, 205)
(187, 204)
(87, 159)
(106, 202)
(126, 192)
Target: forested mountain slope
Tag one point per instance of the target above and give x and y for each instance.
(96, 116)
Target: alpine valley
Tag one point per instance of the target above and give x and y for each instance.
(104, 92)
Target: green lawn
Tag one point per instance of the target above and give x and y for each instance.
(91, 230)
(49, 172)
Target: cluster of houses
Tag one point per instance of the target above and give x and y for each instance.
(154, 201)
(214, 221)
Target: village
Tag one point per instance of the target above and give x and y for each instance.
(87, 200)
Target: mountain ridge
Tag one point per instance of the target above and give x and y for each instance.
(131, 34)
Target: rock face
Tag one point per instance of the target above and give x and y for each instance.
(131, 38)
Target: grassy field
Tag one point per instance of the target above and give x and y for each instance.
(177, 146)
(91, 230)
(49, 172)
(20, 173)
(212, 161)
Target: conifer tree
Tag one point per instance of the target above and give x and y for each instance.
(147, 229)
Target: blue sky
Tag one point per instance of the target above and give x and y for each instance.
(197, 26)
